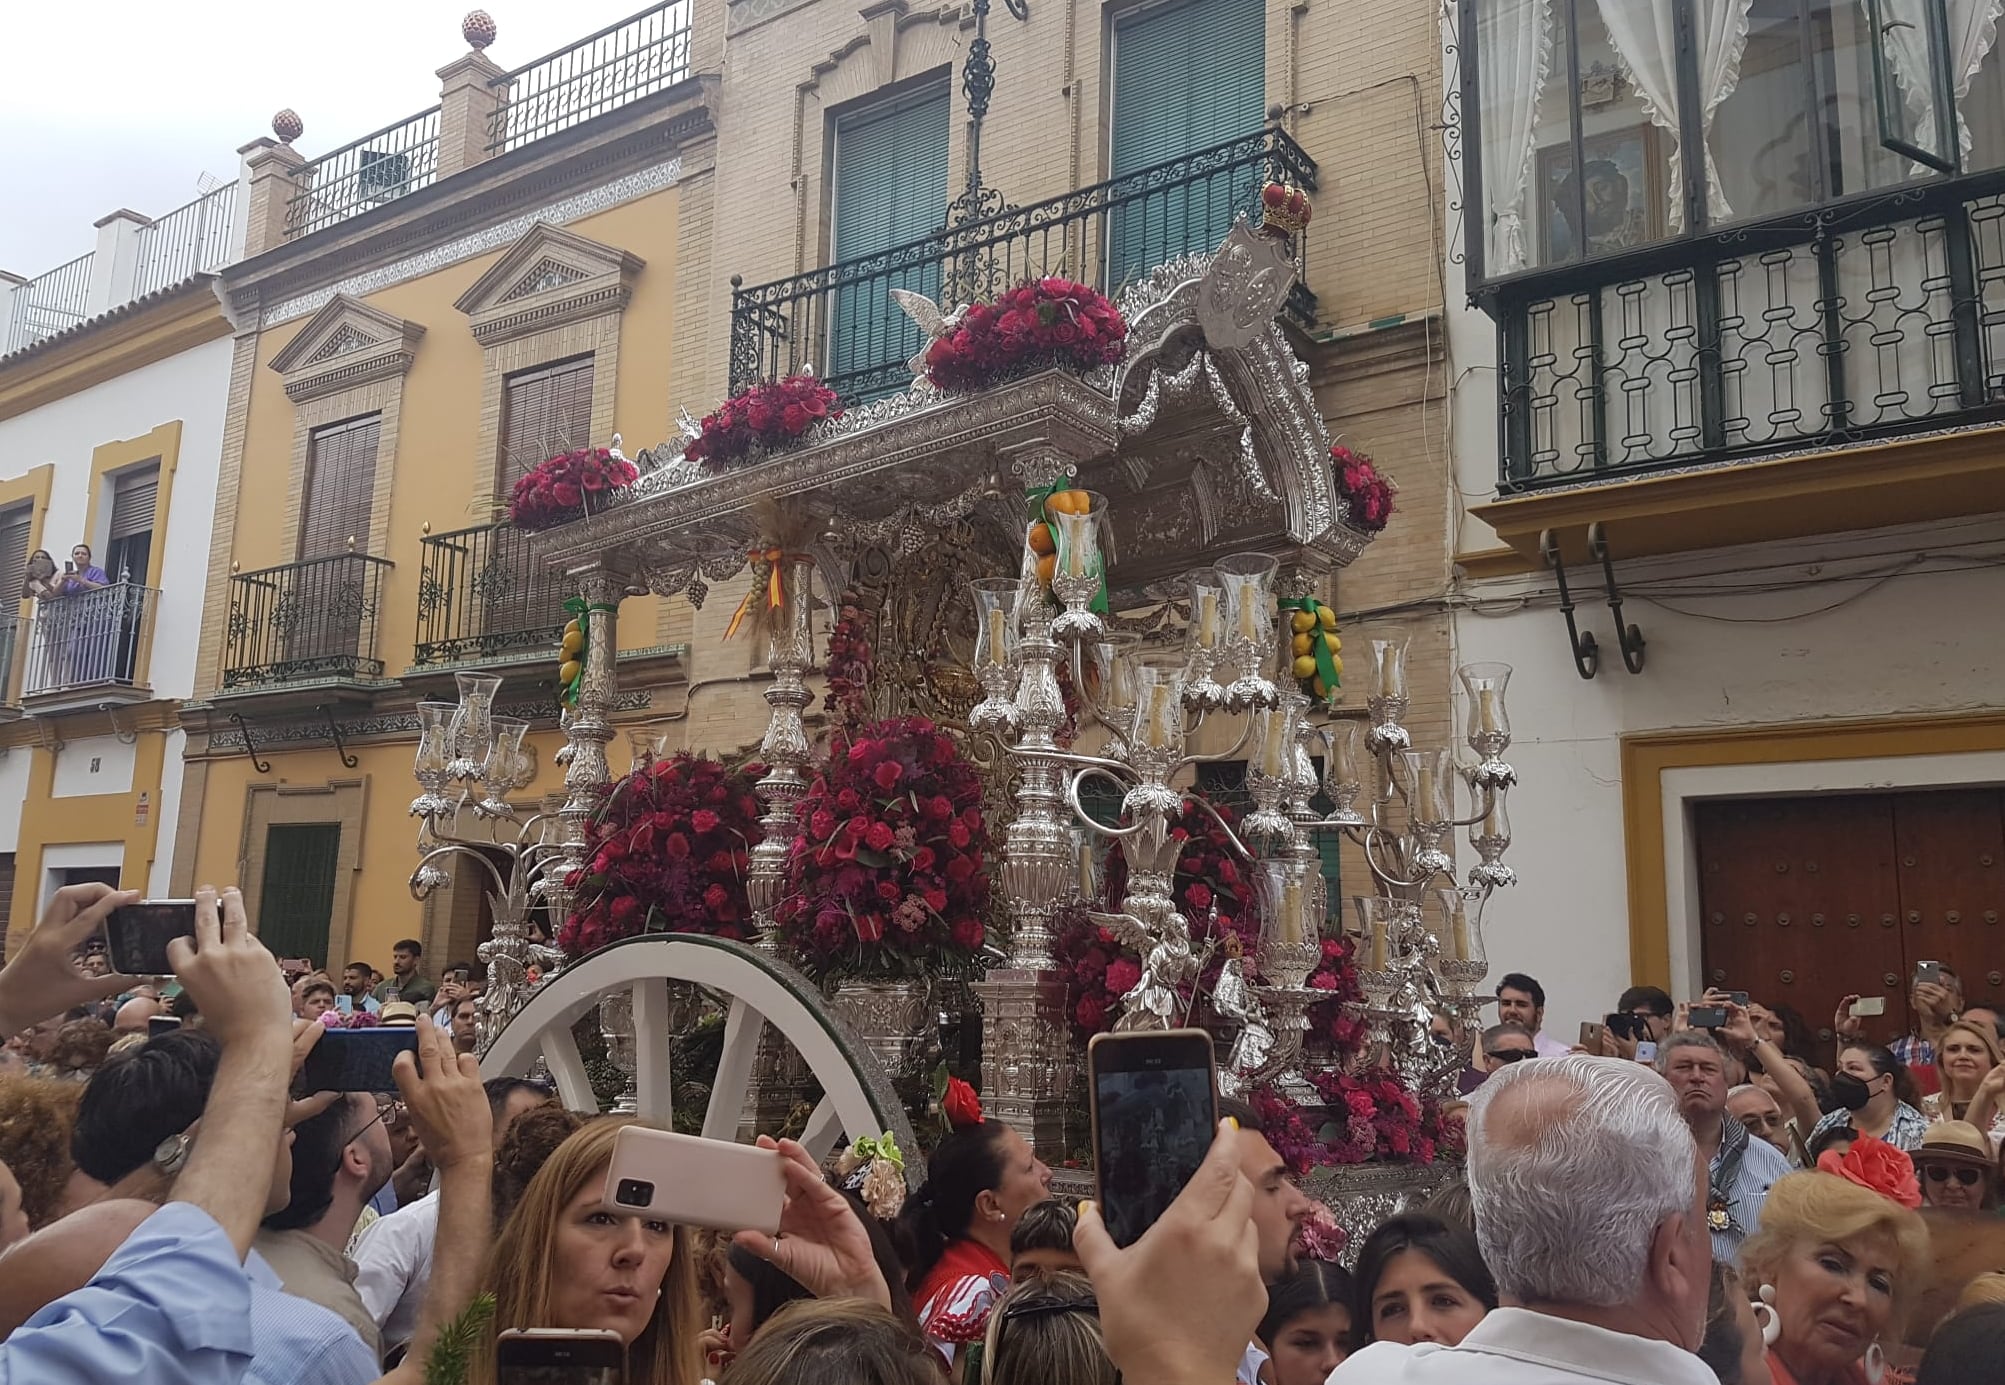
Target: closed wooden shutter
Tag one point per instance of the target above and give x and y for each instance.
(1186, 77)
(544, 412)
(889, 188)
(133, 497)
(296, 908)
(16, 523)
(340, 488)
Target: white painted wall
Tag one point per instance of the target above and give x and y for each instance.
(167, 812)
(194, 388)
(1739, 636)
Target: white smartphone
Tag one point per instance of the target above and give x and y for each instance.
(1646, 1052)
(1868, 1006)
(718, 1184)
(556, 1356)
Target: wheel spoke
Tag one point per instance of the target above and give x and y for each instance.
(823, 1128)
(653, 1045)
(742, 1027)
(567, 1066)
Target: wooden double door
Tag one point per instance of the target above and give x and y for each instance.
(1805, 900)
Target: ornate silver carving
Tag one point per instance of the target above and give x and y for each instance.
(1243, 287)
(784, 749)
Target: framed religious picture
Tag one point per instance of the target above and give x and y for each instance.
(1625, 194)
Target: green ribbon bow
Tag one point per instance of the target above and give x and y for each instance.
(868, 1150)
(1037, 495)
(581, 611)
(1326, 664)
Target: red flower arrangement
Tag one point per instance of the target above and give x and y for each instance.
(669, 851)
(1048, 321)
(1359, 482)
(961, 1105)
(1099, 971)
(1876, 1165)
(850, 660)
(887, 875)
(560, 489)
(761, 417)
(1336, 1027)
(1372, 1116)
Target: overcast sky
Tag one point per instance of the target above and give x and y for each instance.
(125, 103)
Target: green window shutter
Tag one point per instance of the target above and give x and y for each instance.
(1186, 77)
(296, 907)
(889, 189)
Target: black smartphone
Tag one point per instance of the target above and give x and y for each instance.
(136, 935)
(1154, 1099)
(556, 1356)
(1707, 1016)
(1738, 997)
(162, 1024)
(355, 1060)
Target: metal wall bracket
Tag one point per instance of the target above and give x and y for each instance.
(244, 730)
(334, 734)
(125, 737)
(1586, 653)
(1626, 634)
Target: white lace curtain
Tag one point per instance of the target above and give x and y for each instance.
(1645, 42)
(1973, 29)
(1513, 55)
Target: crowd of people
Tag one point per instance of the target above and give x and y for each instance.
(1683, 1198)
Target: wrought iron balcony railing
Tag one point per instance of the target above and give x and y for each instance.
(621, 63)
(1871, 317)
(50, 303)
(840, 317)
(482, 598)
(306, 621)
(93, 639)
(189, 240)
(375, 169)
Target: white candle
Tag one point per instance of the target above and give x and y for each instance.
(1486, 709)
(1207, 619)
(1291, 912)
(1249, 613)
(1378, 928)
(1075, 549)
(1423, 802)
(1155, 716)
(998, 641)
(1386, 682)
(1086, 890)
(1459, 935)
(1273, 743)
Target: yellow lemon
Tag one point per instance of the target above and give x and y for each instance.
(1302, 644)
(1305, 667)
(1331, 642)
(574, 628)
(570, 670)
(574, 641)
(1326, 617)
(1339, 663)
(1302, 622)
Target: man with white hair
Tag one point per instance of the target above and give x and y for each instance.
(1590, 1200)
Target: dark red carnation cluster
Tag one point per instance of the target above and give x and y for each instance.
(888, 873)
(566, 486)
(668, 853)
(1372, 1117)
(850, 659)
(1336, 1025)
(762, 417)
(1358, 481)
(1099, 971)
(1049, 321)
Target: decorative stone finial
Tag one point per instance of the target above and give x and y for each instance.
(478, 29)
(287, 125)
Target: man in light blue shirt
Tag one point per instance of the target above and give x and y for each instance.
(1740, 1169)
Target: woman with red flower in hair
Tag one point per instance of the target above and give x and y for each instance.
(979, 1181)
(1839, 1257)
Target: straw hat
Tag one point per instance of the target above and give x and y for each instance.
(1955, 1142)
(401, 1012)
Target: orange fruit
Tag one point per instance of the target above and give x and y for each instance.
(1067, 502)
(1040, 539)
(1047, 566)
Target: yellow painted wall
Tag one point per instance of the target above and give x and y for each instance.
(49, 821)
(441, 482)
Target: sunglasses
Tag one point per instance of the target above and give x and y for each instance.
(1509, 1055)
(1942, 1173)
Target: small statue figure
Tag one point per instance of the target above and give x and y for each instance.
(1233, 997)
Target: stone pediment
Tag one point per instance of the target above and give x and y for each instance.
(550, 277)
(347, 343)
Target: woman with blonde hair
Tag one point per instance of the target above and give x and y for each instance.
(561, 1260)
(836, 1342)
(1836, 1263)
(1046, 1331)
(1971, 1068)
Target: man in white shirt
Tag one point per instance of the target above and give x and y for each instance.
(1590, 1201)
(1522, 1000)
(393, 1258)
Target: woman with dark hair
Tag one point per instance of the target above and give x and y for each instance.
(1732, 1345)
(1966, 1349)
(1867, 1088)
(835, 1342)
(1307, 1330)
(39, 578)
(1420, 1279)
(956, 1228)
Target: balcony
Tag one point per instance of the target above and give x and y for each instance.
(305, 625)
(1802, 332)
(483, 599)
(840, 317)
(90, 648)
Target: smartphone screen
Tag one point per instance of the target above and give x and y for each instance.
(161, 1024)
(1646, 1052)
(549, 1356)
(1868, 1006)
(1708, 1016)
(136, 935)
(1155, 1110)
(355, 1060)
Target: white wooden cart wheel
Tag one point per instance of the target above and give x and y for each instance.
(857, 1096)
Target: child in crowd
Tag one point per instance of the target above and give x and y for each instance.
(1042, 1242)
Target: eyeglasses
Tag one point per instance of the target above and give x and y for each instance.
(1509, 1055)
(391, 1113)
(1941, 1173)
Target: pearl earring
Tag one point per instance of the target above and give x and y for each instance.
(1765, 1314)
